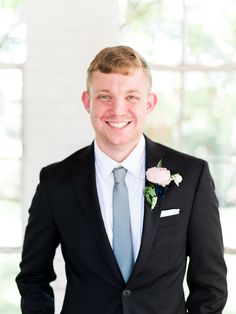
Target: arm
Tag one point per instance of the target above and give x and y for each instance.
(206, 274)
(41, 240)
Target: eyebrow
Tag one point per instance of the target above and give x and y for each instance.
(108, 91)
(103, 91)
(133, 91)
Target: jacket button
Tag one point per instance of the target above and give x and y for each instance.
(126, 293)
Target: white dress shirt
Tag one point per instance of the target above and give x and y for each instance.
(135, 181)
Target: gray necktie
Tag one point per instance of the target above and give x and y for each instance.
(122, 239)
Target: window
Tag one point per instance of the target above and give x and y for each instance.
(12, 57)
(190, 45)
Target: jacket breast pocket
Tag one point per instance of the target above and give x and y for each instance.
(171, 220)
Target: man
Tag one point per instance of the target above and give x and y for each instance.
(125, 253)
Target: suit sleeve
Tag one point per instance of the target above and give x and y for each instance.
(206, 274)
(40, 242)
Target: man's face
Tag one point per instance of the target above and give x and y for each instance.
(118, 105)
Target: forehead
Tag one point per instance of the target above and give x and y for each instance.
(136, 78)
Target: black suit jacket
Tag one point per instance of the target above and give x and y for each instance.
(65, 210)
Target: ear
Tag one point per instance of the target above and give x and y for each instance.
(151, 102)
(86, 100)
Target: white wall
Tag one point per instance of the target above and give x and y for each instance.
(63, 37)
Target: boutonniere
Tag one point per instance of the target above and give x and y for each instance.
(159, 178)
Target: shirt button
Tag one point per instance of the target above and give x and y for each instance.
(126, 293)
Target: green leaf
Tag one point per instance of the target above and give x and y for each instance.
(149, 199)
(154, 201)
(150, 190)
(150, 195)
(159, 165)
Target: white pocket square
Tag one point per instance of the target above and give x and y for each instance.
(169, 212)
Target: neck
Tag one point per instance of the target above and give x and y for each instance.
(117, 152)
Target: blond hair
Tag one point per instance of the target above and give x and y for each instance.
(119, 59)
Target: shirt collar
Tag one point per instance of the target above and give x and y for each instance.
(134, 163)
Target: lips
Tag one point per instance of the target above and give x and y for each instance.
(118, 125)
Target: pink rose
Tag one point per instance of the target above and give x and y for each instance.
(159, 176)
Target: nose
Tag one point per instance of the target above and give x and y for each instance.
(119, 106)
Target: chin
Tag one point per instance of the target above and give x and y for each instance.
(125, 141)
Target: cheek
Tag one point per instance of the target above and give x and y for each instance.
(142, 114)
(97, 117)
(95, 111)
(99, 109)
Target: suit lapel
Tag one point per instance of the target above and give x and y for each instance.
(85, 182)
(154, 154)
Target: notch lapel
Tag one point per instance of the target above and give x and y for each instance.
(154, 154)
(83, 172)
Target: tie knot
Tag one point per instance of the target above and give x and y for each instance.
(119, 174)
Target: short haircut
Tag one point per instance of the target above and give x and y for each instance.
(118, 59)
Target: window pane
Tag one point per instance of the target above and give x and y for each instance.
(231, 279)
(210, 31)
(163, 123)
(10, 113)
(209, 113)
(9, 296)
(10, 224)
(12, 32)
(10, 179)
(228, 218)
(224, 174)
(153, 27)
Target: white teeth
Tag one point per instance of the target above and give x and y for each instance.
(118, 125)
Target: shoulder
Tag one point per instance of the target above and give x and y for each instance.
(182, 157)
(61, 169)
(177, 160)
(166, 150)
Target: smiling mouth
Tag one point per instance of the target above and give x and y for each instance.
(118, 125)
